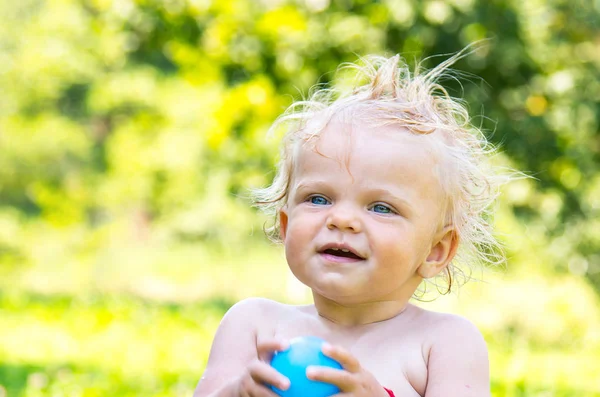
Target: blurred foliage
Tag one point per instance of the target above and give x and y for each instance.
(103, 345)
(131, 130)
(151, 114)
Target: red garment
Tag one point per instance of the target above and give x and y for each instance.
(391, 393)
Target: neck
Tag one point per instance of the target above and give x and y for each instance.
(349, 315)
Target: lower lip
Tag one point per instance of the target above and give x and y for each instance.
(338, 259)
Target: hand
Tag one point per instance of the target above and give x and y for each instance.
(259, 374)
(353, 380)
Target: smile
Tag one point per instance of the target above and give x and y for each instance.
(340, 255)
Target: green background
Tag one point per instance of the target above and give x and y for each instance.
(131, 131)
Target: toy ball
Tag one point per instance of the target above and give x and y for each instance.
(303, 352)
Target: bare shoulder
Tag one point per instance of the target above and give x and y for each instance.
(260, 316)
(252, 309)
(235, 342)
(444, 327)
(457, 356)
(242, 323)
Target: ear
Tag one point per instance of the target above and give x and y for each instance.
(442, 252)
(283, 223)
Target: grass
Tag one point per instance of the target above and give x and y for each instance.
(61, 345)
(543, 333)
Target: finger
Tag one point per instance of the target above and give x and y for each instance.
(263, 391)
(262, 373)
(265, 349)
(252, 389)
(338, 377)
(342, 356)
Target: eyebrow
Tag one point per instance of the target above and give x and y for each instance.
(385, 192)
(311, 185)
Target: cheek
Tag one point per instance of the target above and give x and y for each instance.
(387, 243)
(388, 234)
(394, 244)
(301, 230)
(296, 233)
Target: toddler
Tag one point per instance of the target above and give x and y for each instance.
(381, 190)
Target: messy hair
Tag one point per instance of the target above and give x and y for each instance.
(389, 94)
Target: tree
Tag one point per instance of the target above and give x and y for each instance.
(158, 109)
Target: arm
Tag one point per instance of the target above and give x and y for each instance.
(458, 361)
(236, 362)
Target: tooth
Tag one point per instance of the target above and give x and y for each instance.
(345, 250)
(335, 249)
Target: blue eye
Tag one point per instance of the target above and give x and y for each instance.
(382, 209)
(319, 200)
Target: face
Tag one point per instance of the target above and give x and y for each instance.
(364, 220)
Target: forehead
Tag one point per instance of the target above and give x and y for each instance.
(359, 147)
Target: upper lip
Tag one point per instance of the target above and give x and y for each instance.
(341, 246)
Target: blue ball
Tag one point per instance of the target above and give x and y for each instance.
(303, 352)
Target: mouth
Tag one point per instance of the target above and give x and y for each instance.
(340, 254)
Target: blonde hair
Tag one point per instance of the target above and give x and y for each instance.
(392, 95)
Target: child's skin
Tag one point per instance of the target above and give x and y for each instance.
(374, 191)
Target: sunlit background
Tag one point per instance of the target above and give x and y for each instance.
(131, 131)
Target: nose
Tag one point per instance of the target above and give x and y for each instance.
(344, 218)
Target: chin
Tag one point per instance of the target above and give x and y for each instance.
(337, 293)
